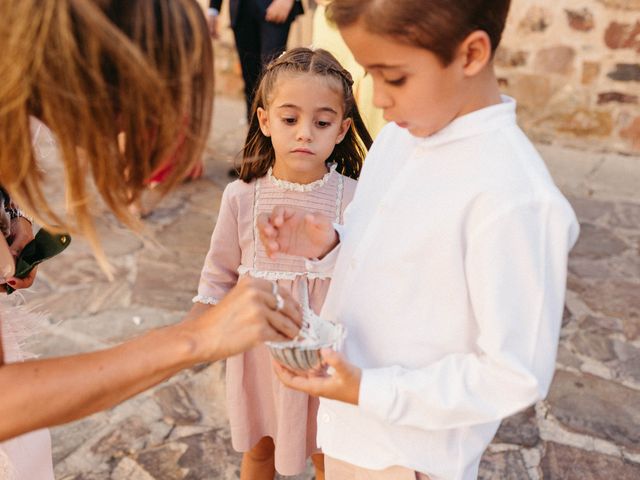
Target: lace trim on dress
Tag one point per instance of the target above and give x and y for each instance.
(300, 187)
(273, 275)
(205, 299)
(339, 198)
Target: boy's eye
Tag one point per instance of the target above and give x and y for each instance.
(396, 82)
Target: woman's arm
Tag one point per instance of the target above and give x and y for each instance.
(42, 393)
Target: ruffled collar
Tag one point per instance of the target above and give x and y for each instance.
(300, 187)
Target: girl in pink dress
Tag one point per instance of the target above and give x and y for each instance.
(304, 148)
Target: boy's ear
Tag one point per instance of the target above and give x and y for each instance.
(344, 128)
(263, 120)
(475, 52)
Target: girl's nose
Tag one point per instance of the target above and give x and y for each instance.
(304, 133)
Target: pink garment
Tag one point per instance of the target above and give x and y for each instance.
(258, 404)
(27, 457)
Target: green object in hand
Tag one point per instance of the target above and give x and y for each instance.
(44, 246)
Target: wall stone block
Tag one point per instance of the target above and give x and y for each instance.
(622, 4)
(590, 72)
(537, 19)
(581, 20)
(626, 72)
(623, 35)
(558, 59)
(616, 97)
(584, 122)
(506, 57)
(632, 134)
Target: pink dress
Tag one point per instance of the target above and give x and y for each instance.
(27, 457)
(258, 404)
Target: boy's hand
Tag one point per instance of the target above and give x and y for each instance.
(296, 232)
(278, 11)
(343, 384)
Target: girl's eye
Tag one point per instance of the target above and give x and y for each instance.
(395, 82)
(322, 124)
(289, 121)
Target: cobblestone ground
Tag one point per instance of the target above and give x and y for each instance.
(588, 428)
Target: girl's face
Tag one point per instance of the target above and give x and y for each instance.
(305, 122)
(410, 84)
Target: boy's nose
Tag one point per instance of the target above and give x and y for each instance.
(381, 99)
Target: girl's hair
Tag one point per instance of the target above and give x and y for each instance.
(92, 71)
(436, 25)
(258, 154)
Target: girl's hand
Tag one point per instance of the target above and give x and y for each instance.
(246, 317)
(342, 385)
(279, 11)
(296, 232)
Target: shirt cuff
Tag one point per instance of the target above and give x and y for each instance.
(326, 264)
(213, 12)
(377, 394)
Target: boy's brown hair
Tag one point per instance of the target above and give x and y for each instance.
(436, 25)
(258, 154)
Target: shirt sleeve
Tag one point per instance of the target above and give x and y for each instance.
(515, 264)
(220, 271)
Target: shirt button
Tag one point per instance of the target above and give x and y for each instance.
(326, 418)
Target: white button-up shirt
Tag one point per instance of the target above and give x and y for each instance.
(450, 278)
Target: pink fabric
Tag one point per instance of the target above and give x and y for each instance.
(27, 457)
(258, 404)
(339, 470)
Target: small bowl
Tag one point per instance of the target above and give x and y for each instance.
(304, 354)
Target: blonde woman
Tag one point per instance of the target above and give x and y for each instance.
(91, 70)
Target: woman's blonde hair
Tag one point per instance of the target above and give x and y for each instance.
(94, 71)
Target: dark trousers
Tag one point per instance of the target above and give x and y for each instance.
(257, 42)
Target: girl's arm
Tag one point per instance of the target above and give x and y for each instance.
(49, 392)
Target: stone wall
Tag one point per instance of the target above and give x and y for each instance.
(573, 66)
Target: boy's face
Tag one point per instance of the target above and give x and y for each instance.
(410, 84)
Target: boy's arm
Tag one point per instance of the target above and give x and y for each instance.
(516, 271)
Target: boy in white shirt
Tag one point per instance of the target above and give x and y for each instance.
(449, 272)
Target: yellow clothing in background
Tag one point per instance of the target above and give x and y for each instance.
(327, 37)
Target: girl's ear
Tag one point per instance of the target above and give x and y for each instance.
(344, 128)
(263, 120)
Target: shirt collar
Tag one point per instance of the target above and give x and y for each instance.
(475, 123)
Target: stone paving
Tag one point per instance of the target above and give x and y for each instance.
(588, 428)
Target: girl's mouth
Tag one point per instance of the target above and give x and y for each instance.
(302, 150)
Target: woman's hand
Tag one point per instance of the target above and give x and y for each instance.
(248, 316)
(343, 384)
(279, 11)
(296, 232)
(21, 234)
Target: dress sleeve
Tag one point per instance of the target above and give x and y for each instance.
(220, 271)
(515, 264)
